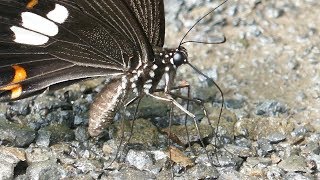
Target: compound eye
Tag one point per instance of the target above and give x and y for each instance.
(178, 58)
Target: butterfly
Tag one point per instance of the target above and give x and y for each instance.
(53, 43)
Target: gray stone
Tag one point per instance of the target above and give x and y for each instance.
(44, 170)
(81, 134)
(15, 134)
(265, 146)
(43, 138)
(129, 174)
(275, 173)
(202, 172)
(294, 163)
(240, 150)
(6, 170)
(139, 159)
(296, 176)
(276, 137)
(270, 108)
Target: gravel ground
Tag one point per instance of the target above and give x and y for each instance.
(267, 70)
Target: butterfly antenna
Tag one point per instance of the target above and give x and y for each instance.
(222, 99)
(215, 41)
(197, 22)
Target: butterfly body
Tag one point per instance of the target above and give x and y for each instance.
(141, 81)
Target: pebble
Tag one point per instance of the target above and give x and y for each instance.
(270, 108)
(44, 170)
(139, 159)
(16, 134)
(276, 137)
(294, 163)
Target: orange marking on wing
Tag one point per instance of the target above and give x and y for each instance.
(10, 87)
(16, 92)
(31, 4)
(20, 74)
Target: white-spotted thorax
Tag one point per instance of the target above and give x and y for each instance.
(145, 79)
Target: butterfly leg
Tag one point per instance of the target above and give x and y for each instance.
(200, 102)
(170, 99)
(138, 98)
(184, 85)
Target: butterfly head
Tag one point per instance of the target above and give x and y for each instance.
(180, 56)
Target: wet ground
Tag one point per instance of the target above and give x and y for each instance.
(268, 70)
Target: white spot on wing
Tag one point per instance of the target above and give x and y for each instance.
(154, 67)
(39, 24)
(139, 73)
(135, 90)
(59, 14)
(151, 74)
(147, 86)
(24, 36)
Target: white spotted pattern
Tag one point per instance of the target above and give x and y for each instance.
(151, 74)
(39, 24)
(59, 14)
(139, 73)
(24, 36)
(154, 67)
(171, 61)
(135, 90)
(124, 82)
(147, 86)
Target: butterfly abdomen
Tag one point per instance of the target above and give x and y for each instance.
(105, 106)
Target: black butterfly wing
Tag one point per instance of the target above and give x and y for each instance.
(150, 14)
(84, 39)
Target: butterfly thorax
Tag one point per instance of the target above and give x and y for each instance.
(146, 77)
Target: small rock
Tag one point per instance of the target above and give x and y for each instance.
(273, 12)
(34, 155)
(202, 172)
(9, 158)
(311, 147)
(144, 133)
(275, 159)
(81, 134)
(59, 132)
(239, 150)
(86, 165)
(265, 147)
(294, 163)
(44, 170)
(6, 170)
(275, 173)
(130, 174)
(270, 108)
(276, 137)
(43, 138)
(139, 159)
(234, 103)
(298, 176)
(15, 134)
(258, 161)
